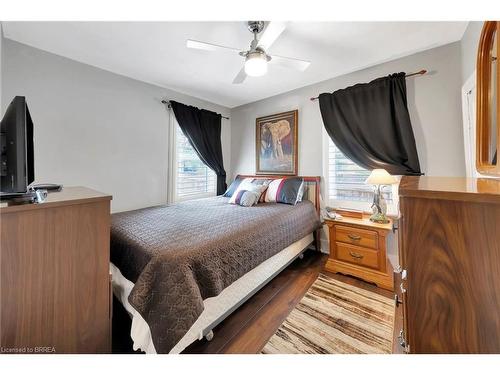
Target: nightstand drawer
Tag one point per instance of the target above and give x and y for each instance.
(357, 255)
(356, 236)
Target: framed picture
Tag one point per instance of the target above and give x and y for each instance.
(276, 144)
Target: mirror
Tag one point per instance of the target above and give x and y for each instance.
(488, 106)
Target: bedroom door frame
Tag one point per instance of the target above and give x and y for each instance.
(469, 124)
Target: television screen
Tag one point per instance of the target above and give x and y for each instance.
(17, 154)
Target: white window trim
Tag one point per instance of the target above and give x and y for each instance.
(392, 207)
(172, 166)
(171, 158)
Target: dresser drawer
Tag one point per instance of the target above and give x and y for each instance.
(357, 255)
(356, 236)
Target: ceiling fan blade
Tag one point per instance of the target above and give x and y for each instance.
(290, 63)
(195, 44)
(270, 34)
(240, 77)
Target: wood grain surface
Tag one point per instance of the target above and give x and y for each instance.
(485, 190)
(451, 250)
(358, 248)
(55, 276)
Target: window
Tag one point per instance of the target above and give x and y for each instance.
(193, 179)
(346, 182)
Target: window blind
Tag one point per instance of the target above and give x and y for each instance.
(193, 177)
(346, 180)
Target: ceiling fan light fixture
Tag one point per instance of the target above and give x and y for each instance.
(256, 64)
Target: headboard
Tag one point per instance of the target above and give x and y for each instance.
(311, 193)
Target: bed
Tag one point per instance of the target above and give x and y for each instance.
(179, 270)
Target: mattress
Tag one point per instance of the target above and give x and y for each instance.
(215, 308)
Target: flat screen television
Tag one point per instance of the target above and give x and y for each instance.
(17, 164)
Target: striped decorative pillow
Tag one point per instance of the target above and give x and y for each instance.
(246, 198)
(248, 185)
(234, 185)
(238, 180)
(285, 190)
(265, 183)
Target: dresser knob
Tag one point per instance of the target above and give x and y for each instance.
(354, 237)
(356, 255)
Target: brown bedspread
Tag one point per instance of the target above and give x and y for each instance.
(179, 255)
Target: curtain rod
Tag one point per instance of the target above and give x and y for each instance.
(169, 107)
(419, 73)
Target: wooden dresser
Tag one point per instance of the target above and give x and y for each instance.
(55, 284)
(358, 247)
(449, 284)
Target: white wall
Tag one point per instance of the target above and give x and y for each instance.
(433, 100)
(95, 128)
(468, 48)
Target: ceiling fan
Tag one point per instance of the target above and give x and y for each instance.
(256, 58)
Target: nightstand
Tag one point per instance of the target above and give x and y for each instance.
(358, 247)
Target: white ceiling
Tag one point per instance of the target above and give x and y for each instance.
(156, 52)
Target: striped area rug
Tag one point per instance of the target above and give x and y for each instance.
(334, 317)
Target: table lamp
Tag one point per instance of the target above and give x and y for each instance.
(379, 177)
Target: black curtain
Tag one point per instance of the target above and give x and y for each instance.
(202, 128)
(370, 124)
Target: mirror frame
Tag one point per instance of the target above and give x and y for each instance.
(483, 117)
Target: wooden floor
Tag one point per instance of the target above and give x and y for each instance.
(249, 328)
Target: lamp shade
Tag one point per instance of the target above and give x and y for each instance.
(380, 177)
(256, 64)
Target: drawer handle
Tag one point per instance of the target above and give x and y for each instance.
(354, 237)
(401, 339)
(403, 289)
(356, 255)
